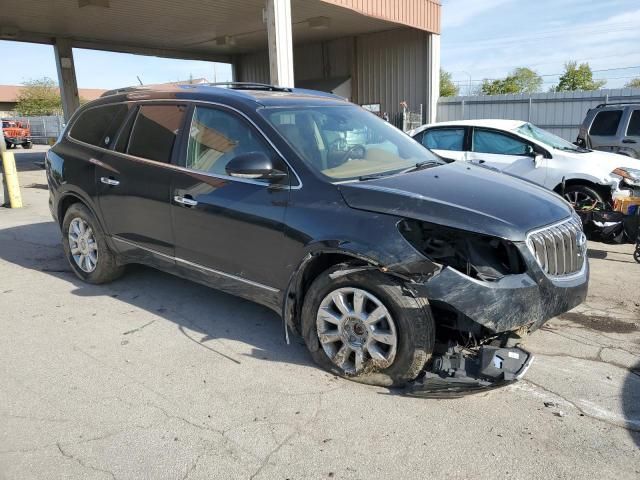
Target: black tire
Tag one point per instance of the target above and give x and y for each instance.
(107, 268)
(27, 146)
(586, 196)
(9, 145)
(412, 318)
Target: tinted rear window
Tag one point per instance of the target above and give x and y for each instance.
(97, 126)
(155, 130)
(606, 123)
(634, 124)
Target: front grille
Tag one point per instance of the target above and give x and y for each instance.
(559, 249)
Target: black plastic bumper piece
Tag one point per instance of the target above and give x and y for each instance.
(456, 374)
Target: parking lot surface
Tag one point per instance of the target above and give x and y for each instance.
(156, 377)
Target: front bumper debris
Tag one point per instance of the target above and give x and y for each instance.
(456, 373)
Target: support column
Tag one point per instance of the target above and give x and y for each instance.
(66, 77)
(433, 76)
(278, 19)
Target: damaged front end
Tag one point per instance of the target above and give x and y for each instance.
(489, 294)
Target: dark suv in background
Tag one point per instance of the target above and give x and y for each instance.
(389, 262)
(613, 127)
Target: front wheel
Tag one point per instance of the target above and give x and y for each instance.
(582, 197)
(364, 326)
(86, 248)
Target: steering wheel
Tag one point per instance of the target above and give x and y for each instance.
(358, 152)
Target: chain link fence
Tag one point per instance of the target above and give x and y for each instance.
(44, 130)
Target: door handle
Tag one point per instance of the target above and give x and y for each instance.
(628, 140)
(188, 202)
(110, 181)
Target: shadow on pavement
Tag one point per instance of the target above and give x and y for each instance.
(27, 161)
(200, 313)
(631, 402)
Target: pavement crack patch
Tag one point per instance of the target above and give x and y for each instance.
(583, 411)
(129, 332)
(82, 462)
(193, 465)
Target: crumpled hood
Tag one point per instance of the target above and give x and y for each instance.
(463, 196)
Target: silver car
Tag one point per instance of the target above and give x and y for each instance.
(613, 127)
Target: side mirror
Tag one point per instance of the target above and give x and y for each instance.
(538, 159)
(254, 166)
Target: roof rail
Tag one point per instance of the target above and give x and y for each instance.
(617, 103)
(249, 86)
(115, 91)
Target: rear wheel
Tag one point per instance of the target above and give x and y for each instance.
(86, 248)
(582, 196)
(27, 145)
(365, 327)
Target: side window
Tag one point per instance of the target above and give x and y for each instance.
(215, 137)
(606, 123)
(486, 141)
(444, 139)
(97, 126)
(155, 130)
(633, 130)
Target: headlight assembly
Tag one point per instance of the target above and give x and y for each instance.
(631, 176)
(478, 256)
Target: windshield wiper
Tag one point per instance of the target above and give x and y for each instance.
(373, 176)
(422, 166)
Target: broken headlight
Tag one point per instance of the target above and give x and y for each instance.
(478, 256)
(631, 176)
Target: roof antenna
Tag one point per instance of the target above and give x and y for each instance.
(138, 77)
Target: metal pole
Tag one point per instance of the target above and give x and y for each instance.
(10, 184)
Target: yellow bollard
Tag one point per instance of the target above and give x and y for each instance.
(11, 179)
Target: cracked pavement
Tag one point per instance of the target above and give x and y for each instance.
(156, 377)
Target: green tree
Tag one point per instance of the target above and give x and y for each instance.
(447, 87)
(635, 83)
(577, 77)
(520, 80)
(39, 97)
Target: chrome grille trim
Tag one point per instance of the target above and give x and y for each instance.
(559, 249)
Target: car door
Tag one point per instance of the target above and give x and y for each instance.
(603, 132)
(134, 179)
(506, 153)
(448, 142)
(631, 139)
(230, 229)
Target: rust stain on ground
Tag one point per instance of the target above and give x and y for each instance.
(600, 323)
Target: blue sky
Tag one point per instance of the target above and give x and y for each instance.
(480, 39)
(488, 38)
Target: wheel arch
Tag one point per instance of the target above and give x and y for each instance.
(604, 190)
(71, 197)
(312, 265)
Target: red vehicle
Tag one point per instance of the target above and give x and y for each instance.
(16, 133)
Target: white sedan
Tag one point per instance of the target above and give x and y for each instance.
(521, 149)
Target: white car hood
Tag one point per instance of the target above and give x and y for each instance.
(598, 163)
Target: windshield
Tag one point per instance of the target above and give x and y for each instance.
(347, 142)
(535, 133)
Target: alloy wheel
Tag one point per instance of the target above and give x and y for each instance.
(582, 199)
(355, 330)
(83, 245)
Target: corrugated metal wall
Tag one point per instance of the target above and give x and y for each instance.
(391, 67)
(386, 67)
(422, 14)
(310, 62)
(561, 113)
